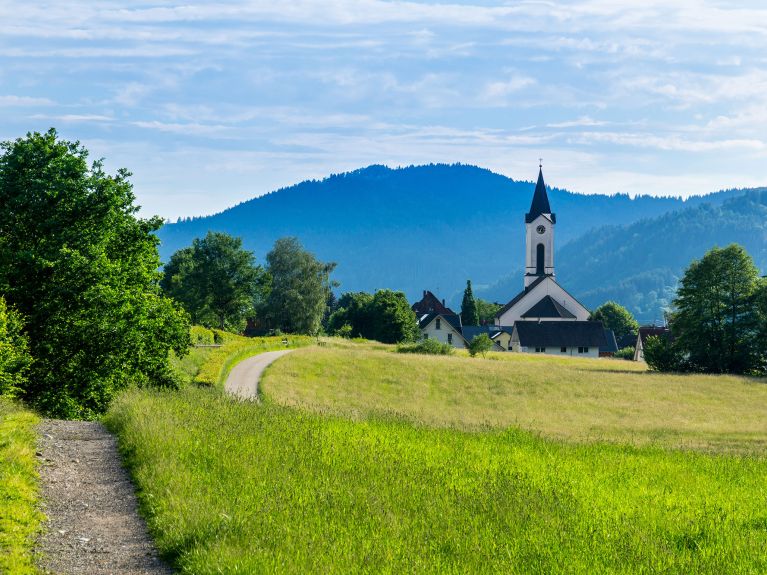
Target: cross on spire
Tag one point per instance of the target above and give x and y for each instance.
(540, 162)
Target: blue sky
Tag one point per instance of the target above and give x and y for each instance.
(211, 104)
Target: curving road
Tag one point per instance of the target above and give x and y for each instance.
(244, 377)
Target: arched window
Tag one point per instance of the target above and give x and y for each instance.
(539, 257)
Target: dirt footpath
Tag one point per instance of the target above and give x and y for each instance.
(93, 523)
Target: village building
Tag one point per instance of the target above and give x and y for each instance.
(544, 317)
(645, 332)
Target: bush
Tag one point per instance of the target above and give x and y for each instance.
(201, 335)
(14, 352)
(427, 346)
(626, 353)
(344, 331)
(480, 344)
(661, 354)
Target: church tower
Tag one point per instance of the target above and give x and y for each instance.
(539, 222)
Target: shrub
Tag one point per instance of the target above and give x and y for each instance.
(427, 346)
(661, 354)
(480, 344)
(201, 335)
(14, 352)
(625, 353)
(344, 331)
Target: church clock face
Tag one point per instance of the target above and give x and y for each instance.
(541, 229)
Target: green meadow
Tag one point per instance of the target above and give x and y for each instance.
(377, 474)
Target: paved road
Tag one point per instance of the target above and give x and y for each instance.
(93, 523)
(244, 377)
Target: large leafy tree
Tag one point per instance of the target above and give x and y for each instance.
(298, 288)
(469, 313)
(215, 279)
(354, 310)
(82, 270)
(617, 318)
(385, 316)
(716, 324)
(486, 311)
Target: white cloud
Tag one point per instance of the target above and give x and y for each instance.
(13, 101)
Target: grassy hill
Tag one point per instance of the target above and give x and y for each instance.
(387, 464)
(425, 227)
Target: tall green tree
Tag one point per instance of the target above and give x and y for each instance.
(81, 268)
(392, 318)
(486, 311)
(354, 310)
(716, 323)
(469, 313)
(215, 279)
(617, 318)
(299, 286)
(15, 359)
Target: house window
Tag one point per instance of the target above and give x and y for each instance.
(450, 338)
(540, 350)
(439, 324)
(563, 349)
(583, 350)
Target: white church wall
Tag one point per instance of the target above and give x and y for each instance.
(546, 287)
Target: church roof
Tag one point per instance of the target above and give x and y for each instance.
(519, 296)
(540, 204)
(548, 307)
(560, 333)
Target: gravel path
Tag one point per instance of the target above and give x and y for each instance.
(244, 377)
(93, 523)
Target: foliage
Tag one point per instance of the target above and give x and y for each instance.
(480, 344)
(228, 487)
(201, 335)
(617, 318)
(14, 352)
(716, 323)
(661, 354)
(428, 346)
(385, 316)
(344, 331)
(215, 279)
(81, 268)
(625, 353)
(486, 311)
(20, 516)
(469, 312)
(299, 286)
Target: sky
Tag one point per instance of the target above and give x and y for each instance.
(210, 104)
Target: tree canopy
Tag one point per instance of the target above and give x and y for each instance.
(469, 314)
(81, 268)
(385, 316)
(615, 317)
(215, 279)
(486, 311)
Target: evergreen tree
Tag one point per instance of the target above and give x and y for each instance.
(617, 318)
(469, 313)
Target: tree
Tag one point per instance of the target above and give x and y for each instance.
(480, 344)
(81, 269)
(215, 279)
(716, 323)
(615, 317)
(661, 354)
(760, 302)
(14, 352)
(299, 288)
(354, 309)
(393, 319)
(486, 311)
(469, 315)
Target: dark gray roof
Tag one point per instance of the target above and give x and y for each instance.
(519, 296)
(472, 331)
(560, 333)
(652, 330)
(548, 307)
(628, 340)
(611, 346)
(540, 204)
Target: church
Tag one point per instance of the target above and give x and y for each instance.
(543, 317)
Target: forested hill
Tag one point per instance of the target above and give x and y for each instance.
(424, 227)
(640, 264)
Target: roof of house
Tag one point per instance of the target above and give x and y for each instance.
(611, 345)
(540, 204)
(628, 340)
(649, 330)
(548, 307)
(451, 318)
(431, 304)
(560, 333)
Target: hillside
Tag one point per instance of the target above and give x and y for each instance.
(419, 227)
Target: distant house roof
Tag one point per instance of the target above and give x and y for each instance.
(611, 345)
(540, 204)
(472, 331)
(560, 333)
(451, 318)
(628, 340)
(650, 330)
(431, 304)
(548, 308)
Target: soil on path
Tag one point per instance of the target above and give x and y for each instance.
(93, 523)
(244, 377)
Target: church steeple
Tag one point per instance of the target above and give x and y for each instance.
(540, 204)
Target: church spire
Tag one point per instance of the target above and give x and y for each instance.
(540, 204)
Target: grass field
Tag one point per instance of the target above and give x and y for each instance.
(20, 518)
(562, 398)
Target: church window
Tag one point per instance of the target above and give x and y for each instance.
(539, 257)
(439, 324)
(450, 338)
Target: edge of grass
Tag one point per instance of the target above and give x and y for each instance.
(20, 515)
